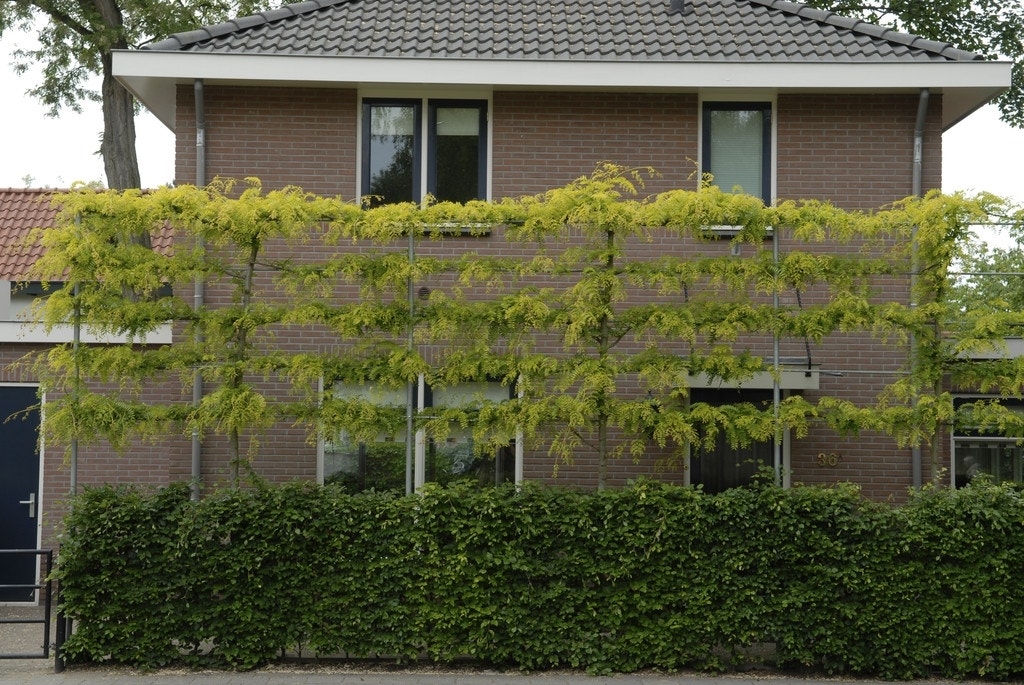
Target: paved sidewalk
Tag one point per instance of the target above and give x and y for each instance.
(40, 672)
(22, 639)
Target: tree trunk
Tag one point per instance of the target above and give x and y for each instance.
(240, 354)
(603, 350)
(118, 147)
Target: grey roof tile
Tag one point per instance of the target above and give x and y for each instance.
(618, 30)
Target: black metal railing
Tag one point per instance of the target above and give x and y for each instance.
(46, 586)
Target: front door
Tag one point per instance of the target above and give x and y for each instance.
(19, 489)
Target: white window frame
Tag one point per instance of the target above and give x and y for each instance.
(486, 390)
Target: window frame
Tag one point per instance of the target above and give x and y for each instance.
(431, 142)
(708, 107)
(366, 134)
(968, 438)
(425, 140)
(708, 468)
(504, 458)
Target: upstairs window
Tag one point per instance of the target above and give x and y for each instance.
(736, 148)
(449, 152)
(456, 152)
(391, 157)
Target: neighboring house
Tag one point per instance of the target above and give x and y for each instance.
(489, 100)
(35, 476)
(975, 452)
(21, 495)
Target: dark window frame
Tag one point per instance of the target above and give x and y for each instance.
(481, 107)
(422, 147)
(711, 106)
(965, 439)
(725, 467)
(368, 105)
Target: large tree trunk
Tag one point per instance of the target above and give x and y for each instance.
(118, 148)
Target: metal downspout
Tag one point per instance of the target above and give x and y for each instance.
(922, 115)
(200, 292)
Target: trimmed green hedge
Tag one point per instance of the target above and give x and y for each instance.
(651, 576)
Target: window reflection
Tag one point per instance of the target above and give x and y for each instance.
(392, 159)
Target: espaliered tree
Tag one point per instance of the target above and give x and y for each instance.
(117, 287)
(595, 327)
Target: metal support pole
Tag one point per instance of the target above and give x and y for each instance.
(76, 343)
(411, 389)
(776, 386)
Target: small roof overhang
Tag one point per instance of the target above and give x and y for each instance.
(792, 376)
(152, 76)
(1005, 348)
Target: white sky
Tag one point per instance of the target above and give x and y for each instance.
(979, 154)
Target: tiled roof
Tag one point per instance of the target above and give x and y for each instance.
(614, 30)
(23, 209)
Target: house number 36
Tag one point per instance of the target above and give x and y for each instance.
(829, 459)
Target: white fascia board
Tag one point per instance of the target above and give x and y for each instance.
(34, 334)
(152, 75)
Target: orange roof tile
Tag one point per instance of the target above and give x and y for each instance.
(23, 209)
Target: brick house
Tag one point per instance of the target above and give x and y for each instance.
(35, 477)
(493, 100)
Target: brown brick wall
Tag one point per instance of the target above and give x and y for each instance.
(283, 136)
(853, 150)
(544, 140)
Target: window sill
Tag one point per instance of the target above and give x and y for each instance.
(458, 230)
(729, 232)
(30, 334)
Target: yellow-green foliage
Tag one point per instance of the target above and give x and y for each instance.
(285, 261)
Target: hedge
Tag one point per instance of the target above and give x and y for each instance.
(647, 577)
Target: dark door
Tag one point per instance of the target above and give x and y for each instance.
(19, 489)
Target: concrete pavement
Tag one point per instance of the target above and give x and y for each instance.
(39, 672)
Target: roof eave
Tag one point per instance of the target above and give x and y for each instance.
(152, 75)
